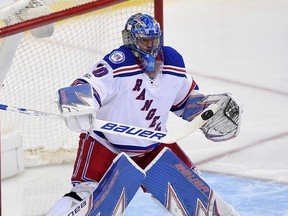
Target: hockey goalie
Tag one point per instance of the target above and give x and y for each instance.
(138, 84)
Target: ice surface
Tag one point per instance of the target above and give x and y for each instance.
(229, 46)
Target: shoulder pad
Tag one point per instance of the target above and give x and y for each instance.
(120, 57)
(172, 57)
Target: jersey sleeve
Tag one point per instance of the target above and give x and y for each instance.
(188, 86)
(100, 77)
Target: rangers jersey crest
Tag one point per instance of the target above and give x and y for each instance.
(117, 57)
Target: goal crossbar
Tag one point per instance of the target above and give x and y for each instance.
(71, 12)
(34, 68)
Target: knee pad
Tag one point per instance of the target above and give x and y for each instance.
(83, 189)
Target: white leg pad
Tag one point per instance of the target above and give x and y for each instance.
(64, 204)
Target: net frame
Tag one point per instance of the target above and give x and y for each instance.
(39, 155)
(71, 12)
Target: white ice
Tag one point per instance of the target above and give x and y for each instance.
(229, 46)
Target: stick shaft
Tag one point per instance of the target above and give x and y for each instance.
(127, 130)
(27, 111)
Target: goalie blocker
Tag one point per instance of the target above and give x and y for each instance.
(78, 106)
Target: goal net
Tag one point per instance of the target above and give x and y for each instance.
(44, 45)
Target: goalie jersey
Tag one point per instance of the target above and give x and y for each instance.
(125, 94)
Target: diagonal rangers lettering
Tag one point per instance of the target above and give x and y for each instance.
(147, 106)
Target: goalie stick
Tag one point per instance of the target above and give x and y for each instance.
(129, 130)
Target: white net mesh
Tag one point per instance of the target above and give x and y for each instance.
(40, 66)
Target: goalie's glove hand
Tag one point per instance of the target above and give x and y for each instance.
(78, 105)
(225, 124)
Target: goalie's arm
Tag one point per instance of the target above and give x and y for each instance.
(78, 106)
(116, 128)
(225, 124)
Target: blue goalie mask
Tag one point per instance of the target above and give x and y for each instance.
(142, 33)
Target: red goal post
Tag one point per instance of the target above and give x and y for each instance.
(33, 65)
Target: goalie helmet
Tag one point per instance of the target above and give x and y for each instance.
(143, 35)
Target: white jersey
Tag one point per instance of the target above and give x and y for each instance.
(127, 95)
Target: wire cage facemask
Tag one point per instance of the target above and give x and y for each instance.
(143, 34)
